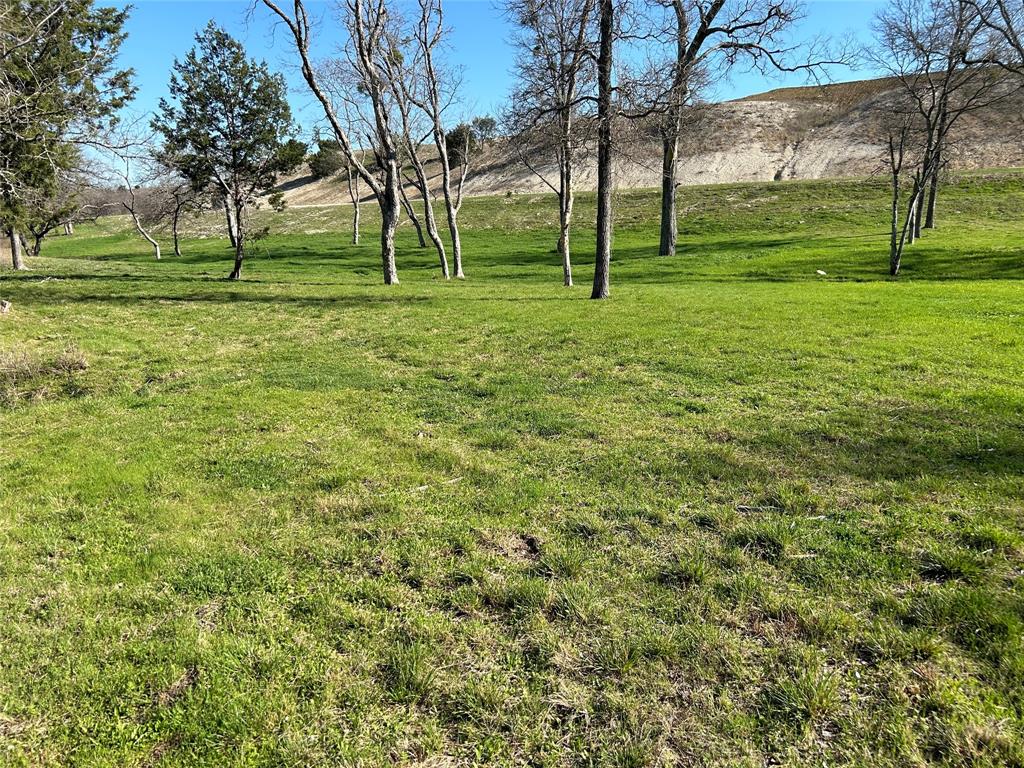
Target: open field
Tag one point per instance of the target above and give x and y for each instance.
(741, 514)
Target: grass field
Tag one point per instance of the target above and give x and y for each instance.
(741, 514)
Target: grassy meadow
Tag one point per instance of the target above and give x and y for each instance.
(740, 514)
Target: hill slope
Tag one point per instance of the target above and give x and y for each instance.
(813, 132)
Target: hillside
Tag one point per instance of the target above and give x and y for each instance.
(825, 131)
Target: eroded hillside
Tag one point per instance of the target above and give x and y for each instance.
(813, 132)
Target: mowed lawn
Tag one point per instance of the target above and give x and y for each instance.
(740, 514)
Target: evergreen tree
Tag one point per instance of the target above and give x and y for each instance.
(59, 89)
(327, 160)
(228, 125)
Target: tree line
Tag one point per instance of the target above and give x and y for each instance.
(586, 73)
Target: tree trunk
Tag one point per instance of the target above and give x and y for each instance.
(936, 167)
(671, 128)
(670, 154)
(17, 256)
(933, 194)
(566, 196)
(174, 231)
(390, 206)
(355, 223)
(911, 220)
(232, 223)
(430, 222)
(907, 233)
(239, 214)
(353, 193)
(565, 204)
(895, 252)
(142, 231)
(411, 213)
(37, 244)
(452, 201)
(452, 210)
(918, 215)
(602, 262)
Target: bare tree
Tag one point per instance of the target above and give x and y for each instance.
(901, 143)
(364, 22)
(708, 39)
(404, 75)
(928, 47)
(182, 199)
(439, 91)
(137, 201)
(554, 73)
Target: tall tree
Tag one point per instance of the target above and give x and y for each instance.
(903, 149)
(605, 116)
(708, 39)
(547, 114)
(438, 94)
(228, 124)
(364, 22)
(403, 70)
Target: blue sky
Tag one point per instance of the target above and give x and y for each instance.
(160, 30)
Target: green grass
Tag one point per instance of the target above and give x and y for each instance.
(740, 514)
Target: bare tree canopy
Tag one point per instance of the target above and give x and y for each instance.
(706, 40)
(939, 52)
(1003, 22)
(366, 104)
(550, 111)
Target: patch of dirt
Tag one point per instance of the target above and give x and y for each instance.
(158, 751)
(521, 548)
(178, 688)
(208, 614)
